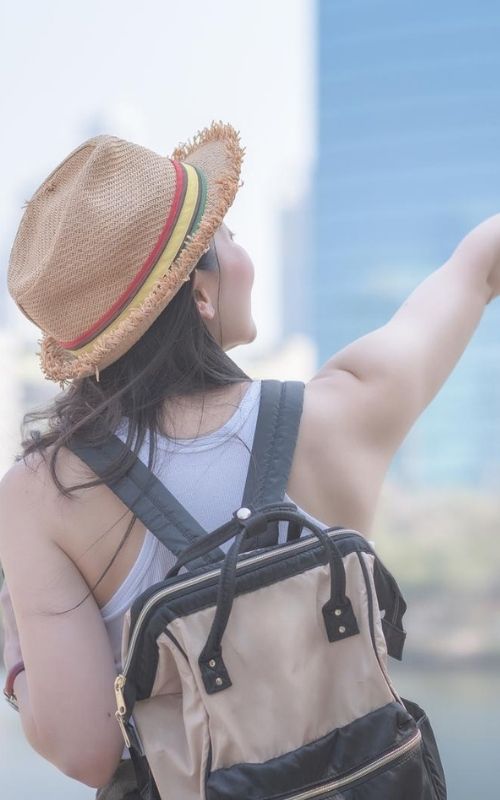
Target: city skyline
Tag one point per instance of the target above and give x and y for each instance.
(407, 163)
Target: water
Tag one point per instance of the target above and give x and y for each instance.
(464, 709)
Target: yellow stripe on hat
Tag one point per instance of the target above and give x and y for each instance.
(167, 257)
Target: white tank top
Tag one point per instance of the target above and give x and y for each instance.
(207, 475)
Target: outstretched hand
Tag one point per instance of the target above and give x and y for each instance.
(481, 247)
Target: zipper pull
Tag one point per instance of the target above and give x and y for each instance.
(121, 708)
(120, 700)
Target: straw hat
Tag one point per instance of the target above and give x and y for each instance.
(109, 238)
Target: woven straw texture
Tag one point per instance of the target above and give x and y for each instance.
(90, 227)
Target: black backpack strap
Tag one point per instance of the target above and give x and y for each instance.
(148, 498)
(274, 443)
(143, 493)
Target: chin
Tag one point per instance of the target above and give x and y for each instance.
(244, 339)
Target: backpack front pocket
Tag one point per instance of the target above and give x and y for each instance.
(430, 750)
(385, 742)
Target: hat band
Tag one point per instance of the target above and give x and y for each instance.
(183, 219)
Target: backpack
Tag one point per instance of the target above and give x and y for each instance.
(261, 673)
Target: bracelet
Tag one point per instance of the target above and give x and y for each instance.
(9, 684)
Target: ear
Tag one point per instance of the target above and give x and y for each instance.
(202, 297)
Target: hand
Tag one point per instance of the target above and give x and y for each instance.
(12, 647)
(481, 248)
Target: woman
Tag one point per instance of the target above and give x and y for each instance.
(124, 261)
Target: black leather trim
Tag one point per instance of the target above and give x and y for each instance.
(145, 495)
(369, 595)
(142, 670)
(342, 751)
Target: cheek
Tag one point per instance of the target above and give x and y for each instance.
(245, 272)
(238, 280)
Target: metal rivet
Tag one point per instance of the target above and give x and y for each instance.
(338, 612)
(243, 513)
(211, 663)
(218, 681)
(341, 629)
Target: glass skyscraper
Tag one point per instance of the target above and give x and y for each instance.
(408, 161)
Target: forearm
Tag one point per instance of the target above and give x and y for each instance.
(12, 655)
(21, 692)
(41, 742)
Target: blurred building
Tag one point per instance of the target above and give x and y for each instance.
(407, 162)
(24, 388)
(294, 359)
(296, 266)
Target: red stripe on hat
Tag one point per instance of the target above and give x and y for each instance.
(102, 322)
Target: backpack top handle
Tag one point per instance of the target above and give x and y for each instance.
(340, 621)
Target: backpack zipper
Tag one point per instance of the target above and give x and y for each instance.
(342, 783)
(207, 576)
(121, 708)
(319, 791)
(189, 582)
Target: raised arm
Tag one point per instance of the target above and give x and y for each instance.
(389, 376)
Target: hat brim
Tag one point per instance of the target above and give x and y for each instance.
(217, 152)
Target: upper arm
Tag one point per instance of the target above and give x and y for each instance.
(69, 663)
(397, 369)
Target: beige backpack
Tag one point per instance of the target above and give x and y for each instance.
(262, 673)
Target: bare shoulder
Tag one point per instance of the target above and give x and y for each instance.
(35, 469)
(339, 470)
(28, 519)
(28, 487)
(329, 394)
(371, 411)
(334, 406)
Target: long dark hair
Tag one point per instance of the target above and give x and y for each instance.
(177, 356)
